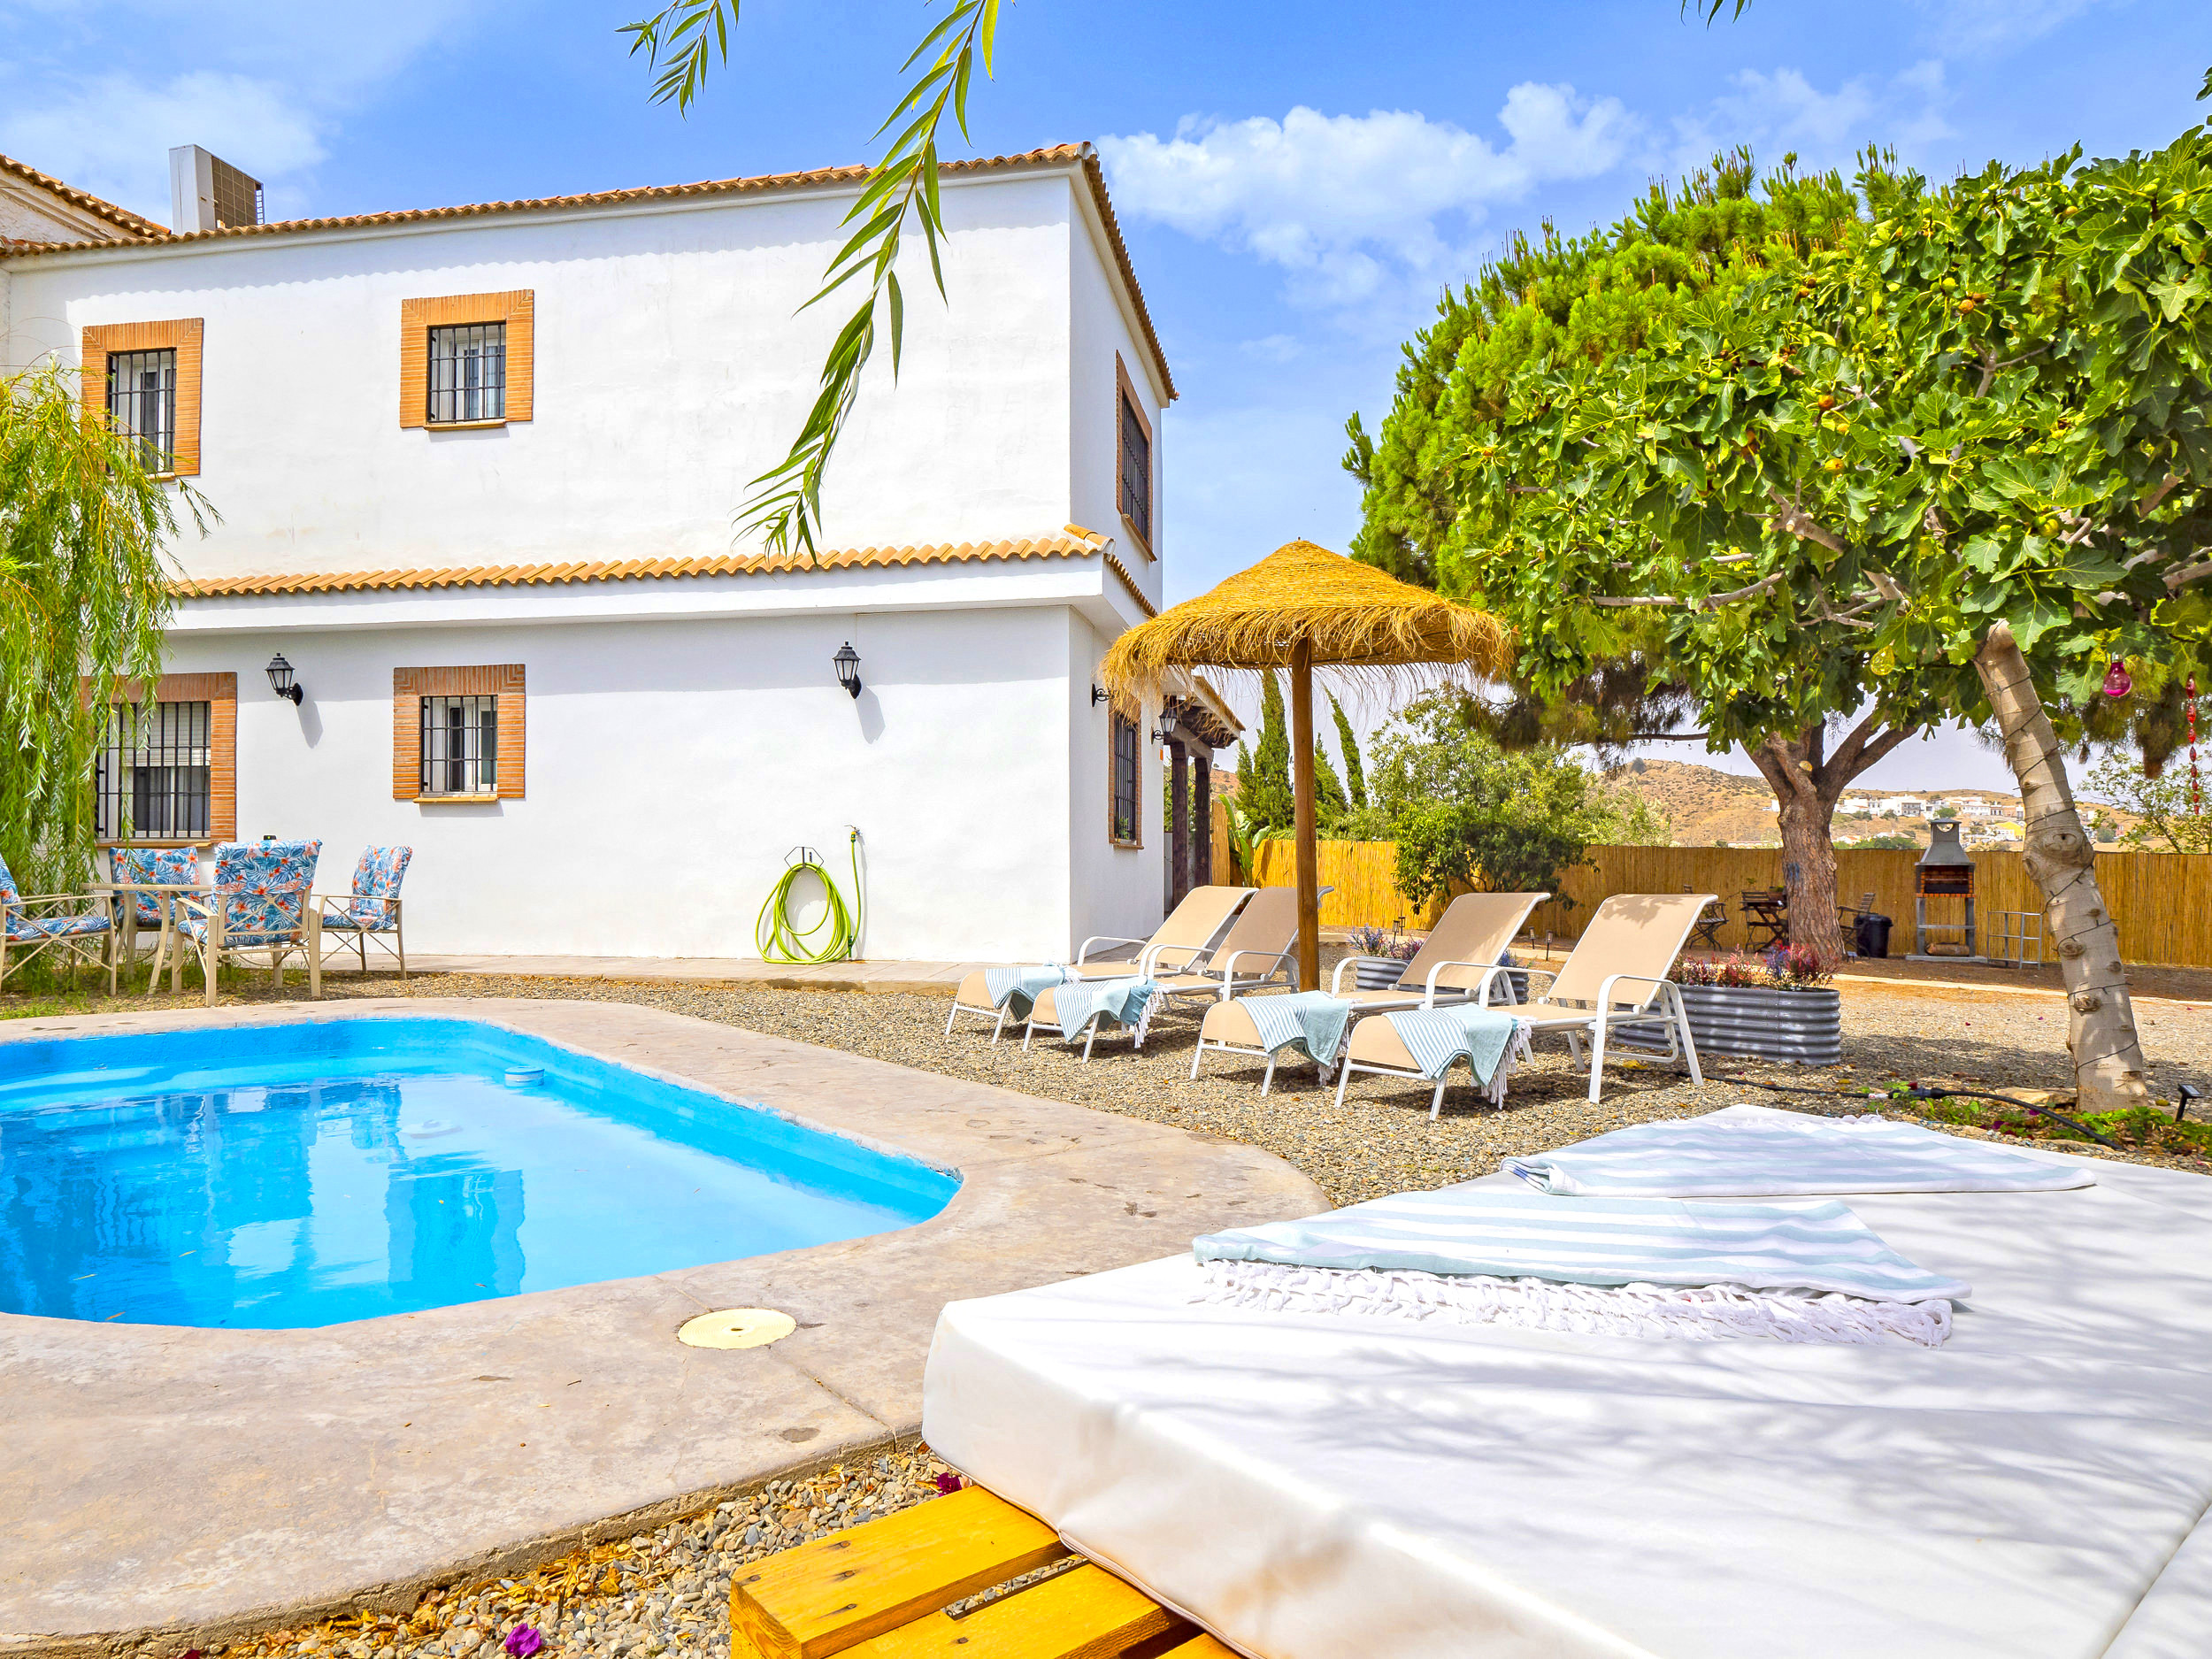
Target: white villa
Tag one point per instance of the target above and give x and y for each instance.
(477, 469)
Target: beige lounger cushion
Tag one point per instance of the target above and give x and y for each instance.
(1475, 927)
(1229, 1023)
(1375, 1041)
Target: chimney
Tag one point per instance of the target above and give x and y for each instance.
(207, 193)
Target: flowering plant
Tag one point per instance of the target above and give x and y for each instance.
(1784, 968)
(1374, 942)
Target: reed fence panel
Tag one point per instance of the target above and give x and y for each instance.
(2161, 901)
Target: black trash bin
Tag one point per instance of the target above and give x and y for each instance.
(1869, 933)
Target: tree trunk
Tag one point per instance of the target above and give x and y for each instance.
(1808, 780)
(1302, 792)
(2100, 1016)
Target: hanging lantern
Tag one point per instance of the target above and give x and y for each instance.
(2117, 682)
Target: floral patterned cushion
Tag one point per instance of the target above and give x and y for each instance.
(376, 878)
(17, 925)
(26, 928)
(262, 891)
(168, 866)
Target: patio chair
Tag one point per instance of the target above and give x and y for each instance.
(372, 908)
(1255, 952)
(259, 906)
(29, 930)
(1475, 930)
(1180, 942)
(1632, 941)
(145, 880)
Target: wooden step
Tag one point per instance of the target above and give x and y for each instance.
(879, 1590)
(832, 1594)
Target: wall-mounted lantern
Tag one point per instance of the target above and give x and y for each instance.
(281, 681)
(847, 661)
(1170, 728)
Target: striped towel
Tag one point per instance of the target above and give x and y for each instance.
(1803, 1272)
(1311, 1022)
(1743, 1151)
(1022, 986)
(1128, 1000)
(1488, 1039)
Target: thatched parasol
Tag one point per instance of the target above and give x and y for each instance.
(1300, 608)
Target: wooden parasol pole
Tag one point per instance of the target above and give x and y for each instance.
(1302, 786)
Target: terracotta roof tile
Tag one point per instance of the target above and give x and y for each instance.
(121, 217)
(1076, 543)
(1052, 156)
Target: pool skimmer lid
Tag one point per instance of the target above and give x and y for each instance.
(737, 1327)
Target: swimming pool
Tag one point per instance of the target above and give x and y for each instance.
(308, 1173)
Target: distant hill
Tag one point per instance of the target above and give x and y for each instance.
(1704, 803)
(1706, 806)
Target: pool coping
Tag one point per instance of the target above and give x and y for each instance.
(172, 1487)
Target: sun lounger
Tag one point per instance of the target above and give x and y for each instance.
(1325, 1486)
(886, 1582)
(1615, 978)
(1180, 942)
(1462, 948)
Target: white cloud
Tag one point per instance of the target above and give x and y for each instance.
(1785, 112)
(1271, 347)
(112, 135)
(1989, 26)
(1348, 203)
(90, 91)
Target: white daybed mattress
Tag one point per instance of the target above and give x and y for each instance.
(1333, 1487)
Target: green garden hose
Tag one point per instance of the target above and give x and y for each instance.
(781, 939)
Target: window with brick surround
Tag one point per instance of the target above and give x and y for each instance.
(142, 403)
(468, 373)
(460, 746)
(1133, 468)
(143, 379)
(1122, 829)
(467, 359)
(458, 733)
(167, 770)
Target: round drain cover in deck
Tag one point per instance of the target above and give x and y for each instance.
(737, 1327)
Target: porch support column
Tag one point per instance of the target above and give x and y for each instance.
(1202, 817)
(1179, 824)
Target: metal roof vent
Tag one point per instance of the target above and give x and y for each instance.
(207, 193)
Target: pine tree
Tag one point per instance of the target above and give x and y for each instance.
(1355, 773)
(1263, 788)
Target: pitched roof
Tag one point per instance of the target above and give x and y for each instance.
(1077, 542)
(1053, 156)
(121, 217)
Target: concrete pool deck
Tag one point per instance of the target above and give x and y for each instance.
(199, 1484)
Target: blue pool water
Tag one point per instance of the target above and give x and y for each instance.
(304, 1174)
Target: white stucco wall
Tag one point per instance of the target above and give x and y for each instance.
(670, 368)
(671, 766)
(1099, 326)
(682, 735)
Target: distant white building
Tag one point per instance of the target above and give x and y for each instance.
(1973, 809)
(477, 467)
(1905, 805)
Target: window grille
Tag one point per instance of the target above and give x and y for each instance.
(151, 782)
(460, 745)
(468, 373)
(143, 402)
(1136, 469)
(1125, 778)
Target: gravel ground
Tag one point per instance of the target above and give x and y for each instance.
(665, 1591)
(668, 1591)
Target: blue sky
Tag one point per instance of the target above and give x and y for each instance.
(1296, 180)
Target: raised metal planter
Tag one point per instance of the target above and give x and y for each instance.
(1380, 976)
(1805, 1026)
